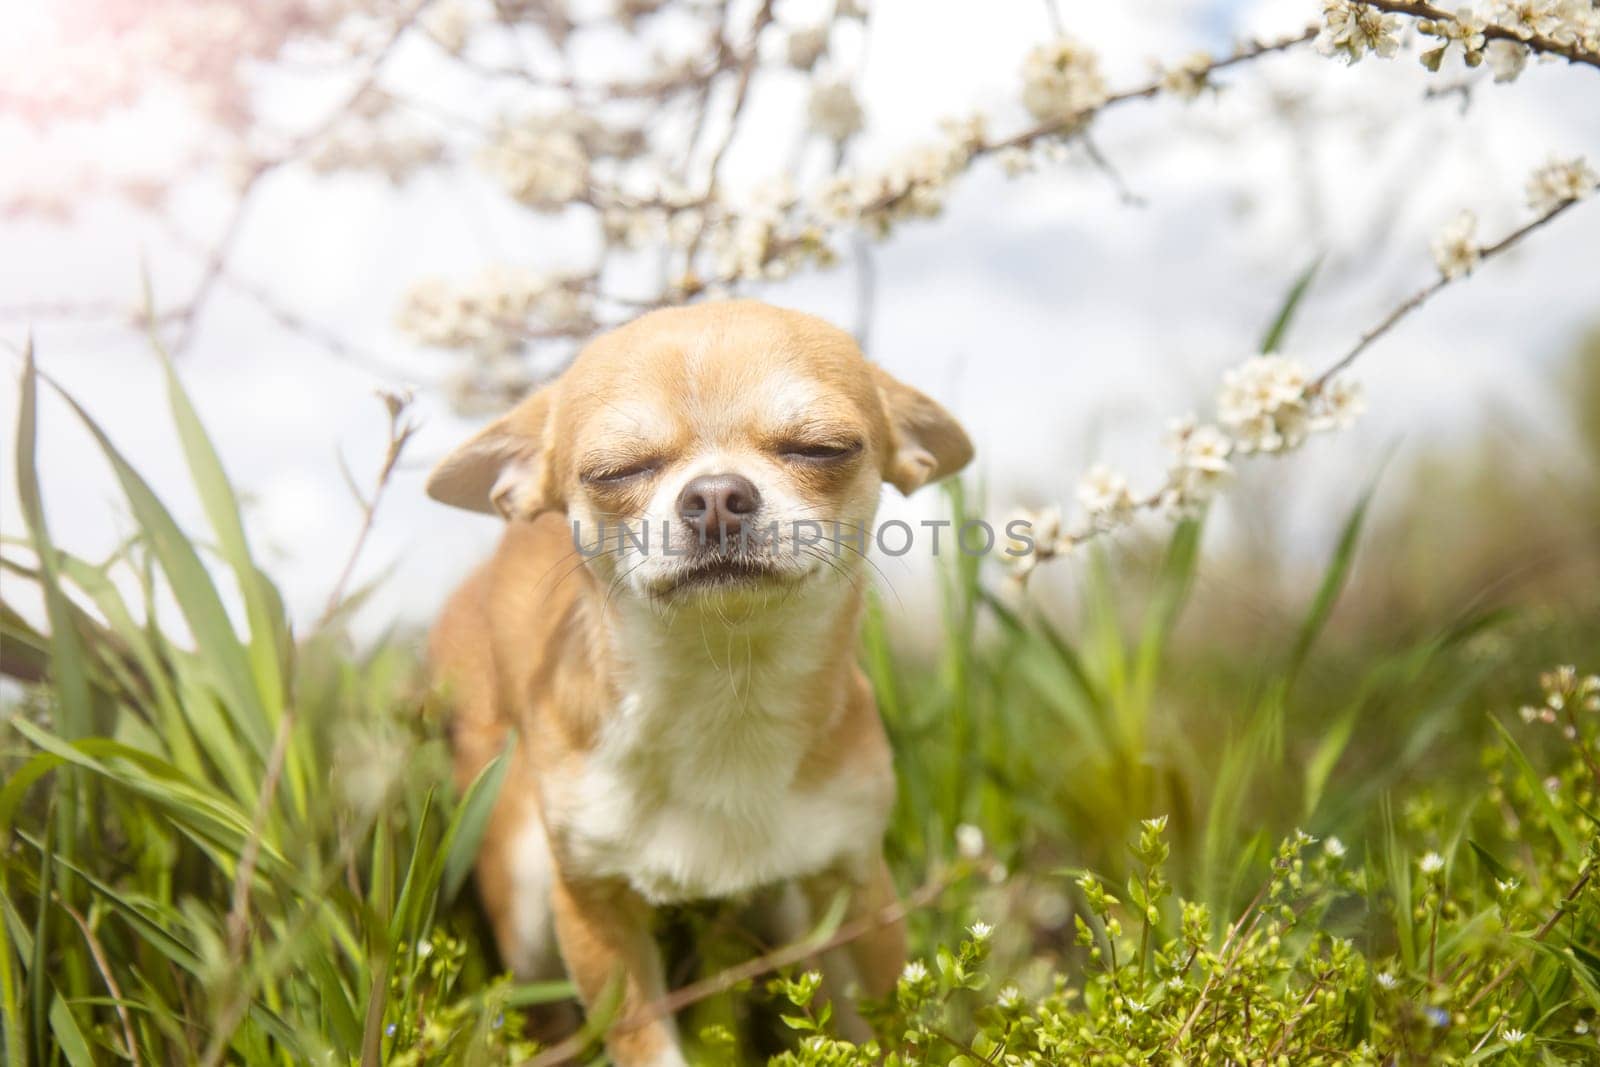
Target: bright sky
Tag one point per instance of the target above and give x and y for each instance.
(1063, 325)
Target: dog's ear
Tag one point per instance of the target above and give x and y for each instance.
(505, 468)
(926, 443)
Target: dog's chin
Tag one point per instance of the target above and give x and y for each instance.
(719, 577)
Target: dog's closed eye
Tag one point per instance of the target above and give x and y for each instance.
(618, 474)
(818, 451)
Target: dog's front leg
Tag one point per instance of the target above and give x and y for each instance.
(604, 931)
(871, 963)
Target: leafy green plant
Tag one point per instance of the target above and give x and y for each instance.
(1431, 950)
(224, 845)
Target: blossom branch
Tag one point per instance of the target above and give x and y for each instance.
(1270, 404)
(1571, 51)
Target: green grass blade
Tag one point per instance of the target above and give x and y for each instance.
(1291, 302)
(225, 657)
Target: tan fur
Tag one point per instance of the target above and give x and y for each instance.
(677, 741)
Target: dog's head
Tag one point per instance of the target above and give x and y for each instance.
(719, 447)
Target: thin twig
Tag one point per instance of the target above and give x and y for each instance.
(217, 261)
(401, 429)
(1421, 296)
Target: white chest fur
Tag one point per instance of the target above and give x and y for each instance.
(693, 789)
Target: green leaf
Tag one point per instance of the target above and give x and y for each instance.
(1333, 579)
(67, 656)
(1559, 824)
(465, 832)
(69, 1038)
(263, 606)
(196, 595)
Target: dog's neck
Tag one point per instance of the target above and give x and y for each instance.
(784, 660)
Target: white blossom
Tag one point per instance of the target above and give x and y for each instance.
(1334, 848)
(1200, 466)
(1506, 59)
(1188, 78)
(806, 45)
(1351, 29)
(544, 165)
(491, 313)
(969, 841)
(1559, 181)
(834, 112)
(1432, 863)
(448, 22)
(1338, 405)
(980, 931)
(1262, 404)
(1104, 495)
(1529, 18)
(1455, 250)
(1061, 81)
(1463, 33)
(1015, 161)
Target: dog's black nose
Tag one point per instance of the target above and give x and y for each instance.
(716, 505)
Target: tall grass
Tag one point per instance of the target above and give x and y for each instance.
(186, 879)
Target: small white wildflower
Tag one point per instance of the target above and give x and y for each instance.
(834, 112)
(1351, 29)
(1507, 886)
(1512, 1036)
(980, 931)
(1009, 998)
(1506, 58)
(915, 971)
(424, 949)
(1104, 495)
(1559, 181)
(1387, 980)
(1334, 848)
(1432, 863)
(1455, 250)
(969, 841)
(1061, 81)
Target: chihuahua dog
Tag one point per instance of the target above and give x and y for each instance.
(666, 637)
